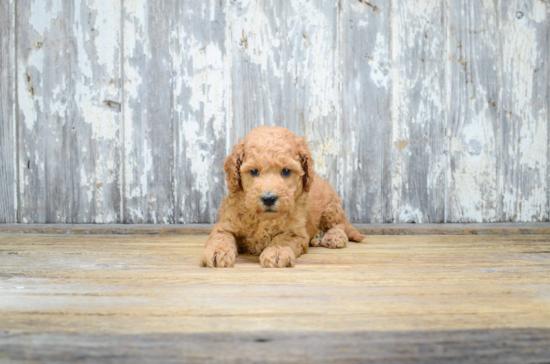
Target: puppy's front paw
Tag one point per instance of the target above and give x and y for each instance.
(334, 238)
(316, 240)
(277, 257)
(215, 257)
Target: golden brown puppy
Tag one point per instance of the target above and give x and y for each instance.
(277, 205)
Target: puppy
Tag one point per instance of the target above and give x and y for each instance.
(277, 205)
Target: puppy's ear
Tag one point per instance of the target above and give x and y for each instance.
(232, 167)
(307, 163)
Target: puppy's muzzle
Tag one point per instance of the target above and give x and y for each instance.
(269, 200)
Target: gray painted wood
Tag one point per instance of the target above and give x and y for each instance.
(418, 110)
(383, 90)
(474, 68)
(286, 73)
(149, 136)
(68, 116)
(176, 111)
(201, 110)
(365, 157)
(524, 34)
(8, 133)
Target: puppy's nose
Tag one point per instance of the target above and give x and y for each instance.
(269, 199)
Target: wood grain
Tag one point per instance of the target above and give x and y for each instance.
(365, 160)
(149, 129)
(474, 68)
(390, 296)
(418, 111)
(8, 129)
(176, 111)
(525, 38)
(205, 229)
(202, 107)
(69, 98)
(497, 346)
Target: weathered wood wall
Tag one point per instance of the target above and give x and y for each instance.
(416, 110)
(8, 130)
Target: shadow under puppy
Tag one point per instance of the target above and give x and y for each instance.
(277, 205)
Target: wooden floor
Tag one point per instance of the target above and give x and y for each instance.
(392, 299)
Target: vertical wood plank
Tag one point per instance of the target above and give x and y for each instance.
(364, 170)
(474, 125)
(418, 111)
(69, 104)
(8, 138)
(256, 58)
(312, 82)
(286, 72)
(176, 110)
(149, 137)
(524, 32)
(201, 108)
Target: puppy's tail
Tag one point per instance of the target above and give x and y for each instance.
(352, 233)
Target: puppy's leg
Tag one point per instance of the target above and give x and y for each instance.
(220, 249)
(282, 251)
(335, 217)
(334, 238)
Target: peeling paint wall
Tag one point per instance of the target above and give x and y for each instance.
(8, 129)
(415, 110)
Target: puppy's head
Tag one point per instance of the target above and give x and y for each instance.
(273, 167)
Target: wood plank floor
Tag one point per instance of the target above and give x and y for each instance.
(396, 299)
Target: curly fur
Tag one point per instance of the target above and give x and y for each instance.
(308, 210)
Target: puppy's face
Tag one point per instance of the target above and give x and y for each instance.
(271, 182)
(272, 168)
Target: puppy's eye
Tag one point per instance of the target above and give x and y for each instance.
(255, 172)
(286, 172)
